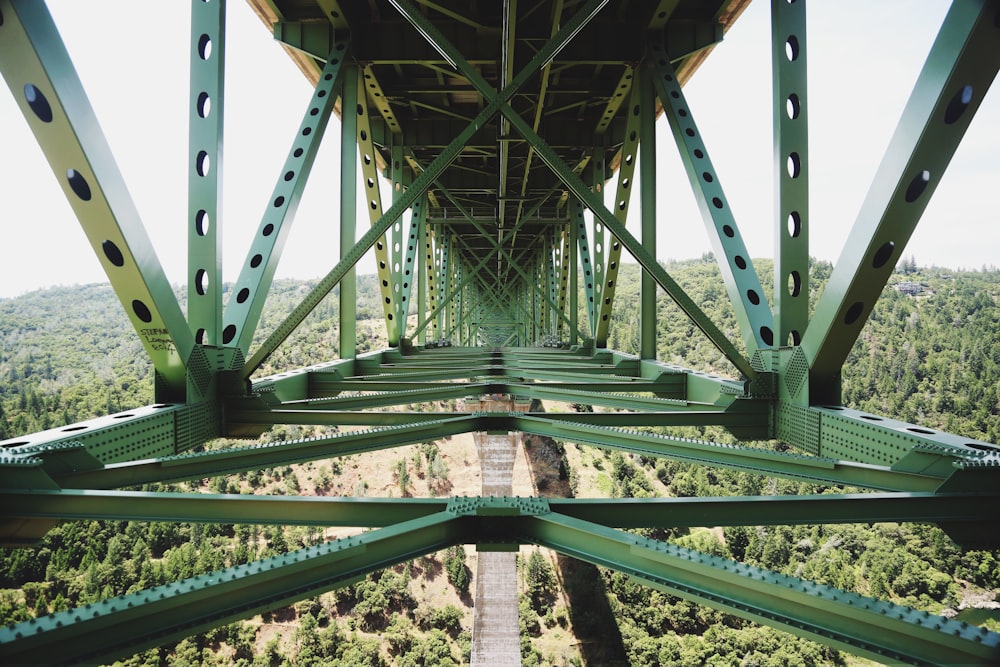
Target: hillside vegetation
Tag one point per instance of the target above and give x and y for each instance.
(932, 357)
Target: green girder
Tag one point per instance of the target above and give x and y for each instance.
(791, 149)
(373, 199)
(250, 291)
(205, 114)
(623, 195)
(735, 263)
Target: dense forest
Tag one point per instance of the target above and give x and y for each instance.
(929, 354)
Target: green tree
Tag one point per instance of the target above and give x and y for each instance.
(540, 582)
(459, 573)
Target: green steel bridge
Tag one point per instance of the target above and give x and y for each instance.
(497, 126)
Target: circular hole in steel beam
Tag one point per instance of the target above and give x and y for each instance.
(203, 105)
(201, 282)
(854, 312)
(794, 165)
(794, 224)
(112, 252)
(792, 48)
(794, 283)
(917, 186)
(202, 163)
(958, 104)
(78, 184)
(883, 254)
(141, 311)
(767, 336)
(204, 47)
(36, 100)
(793, 106)
(202, 222)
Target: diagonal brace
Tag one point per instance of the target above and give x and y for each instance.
(420, 185)
(582, 192)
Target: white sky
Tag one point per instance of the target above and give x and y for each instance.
(862, 63)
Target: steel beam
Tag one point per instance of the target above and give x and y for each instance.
(255, 457)
(205, 136)
(578, 221)
(752, 311)
(348, 230)
(747, 459)
(243, 310)
(626, 513)
(648, 212)
(90, 504)
(791, 170)
(373, 201)
(572, 181)
(623, 196)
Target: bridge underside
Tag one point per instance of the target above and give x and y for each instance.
(498, 129)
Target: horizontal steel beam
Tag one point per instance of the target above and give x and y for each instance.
(784, 510)
(80, 504)
(76, 504)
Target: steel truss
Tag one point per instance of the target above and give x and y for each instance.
(502, 253)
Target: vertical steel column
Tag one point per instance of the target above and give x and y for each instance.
(205, 133)
(573, 229)
(398, 173)
(444, 284)
(600, 237)
(431, 273)
(410, 271)
(563, 268)
(348, 212)
(541, 283)
(551, 280)
(791, 170)
(453, 282)
(423, 240)
(647, 186)
(579, 223)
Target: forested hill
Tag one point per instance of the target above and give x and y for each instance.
(69, 353)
